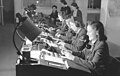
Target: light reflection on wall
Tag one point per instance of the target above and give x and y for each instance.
(39, 3)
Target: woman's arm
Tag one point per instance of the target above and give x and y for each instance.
(96, 60)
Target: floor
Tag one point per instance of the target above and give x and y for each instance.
(8, 54)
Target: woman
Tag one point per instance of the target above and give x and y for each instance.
(77, 41)
(54, 14)
(65, 10)
(92, 59)
(77, 14)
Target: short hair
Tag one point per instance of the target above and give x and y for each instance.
(100, 28)
(33, 6)
(54, 6)
(64, 2)
(75, 5)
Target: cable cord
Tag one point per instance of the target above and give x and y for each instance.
(24, 59)
(22, 39)
(18, 51)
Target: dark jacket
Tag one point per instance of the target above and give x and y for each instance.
(66, 12)
(54, 15)
(93, 60)
(79, 18)
(76, 41)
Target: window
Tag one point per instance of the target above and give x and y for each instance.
(93, 12)
(94, 4)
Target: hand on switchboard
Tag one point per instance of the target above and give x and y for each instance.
(68, 55)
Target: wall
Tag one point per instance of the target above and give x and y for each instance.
(103, 15)
(113, 30)
(18, 6)
(8, 11)
(112, 27)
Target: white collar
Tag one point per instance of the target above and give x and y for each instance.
(78, 30)
(65, 5)
(75, 13)
(93, 41)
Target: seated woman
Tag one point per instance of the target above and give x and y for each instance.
(65, 9)
(30, 11)
(96, 58)
(77, 14)
(78, 40)
(54, 14)
(65, 33)
(71, 26)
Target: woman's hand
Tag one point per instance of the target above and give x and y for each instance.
(69, 55)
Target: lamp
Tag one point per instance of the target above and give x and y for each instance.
(29, 29)
(26, 26)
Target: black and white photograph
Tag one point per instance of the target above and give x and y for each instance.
(59, 38)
